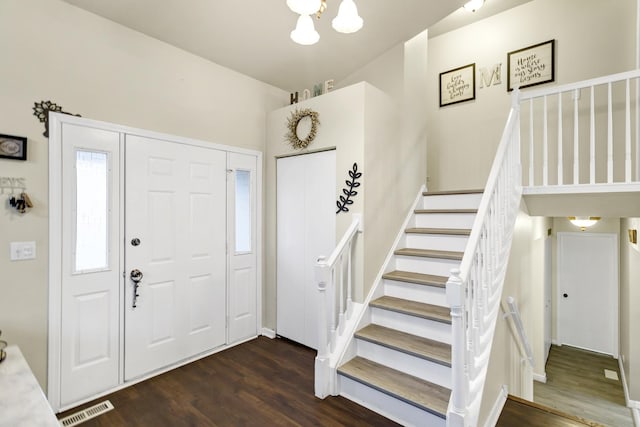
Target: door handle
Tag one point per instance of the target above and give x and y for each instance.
(565, 295)
(136, 277)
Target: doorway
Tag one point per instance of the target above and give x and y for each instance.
(305, 221)
(587, 297)
(154, 245)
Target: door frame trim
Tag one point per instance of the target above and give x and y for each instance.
(56, 120)
(615, 314)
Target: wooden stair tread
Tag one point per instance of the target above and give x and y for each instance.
(417, 278)
(414, 391)
(430, 253)
(424, 348)
(446, 211)
(413, 308)
(452, 192)
(450, 231)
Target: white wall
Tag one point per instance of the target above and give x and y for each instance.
(593, 38)
(94, 67)
(629, 311)
(521, 283)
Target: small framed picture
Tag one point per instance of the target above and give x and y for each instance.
(458, 85)
(13, 147)
(530, 66)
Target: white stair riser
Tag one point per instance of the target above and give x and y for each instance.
(414, 292)
(452, 201)
(412, 365)
(435, 266)
(444, 220)
(388, 406)
(443, 242)
(421, 327)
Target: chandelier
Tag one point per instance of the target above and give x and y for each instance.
(347, 21)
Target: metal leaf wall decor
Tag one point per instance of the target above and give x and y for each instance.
(41, 111)
(347, 193)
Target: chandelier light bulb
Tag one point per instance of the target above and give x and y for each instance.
(304, 7)
(348, 20)
(305, 33)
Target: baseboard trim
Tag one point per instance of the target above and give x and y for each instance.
(269, 333)
(541, 378)
(636, 416)
(496, 410)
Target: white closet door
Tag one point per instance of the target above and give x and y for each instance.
(242, 228)
(305, 230)
(175, 236)
(89, 352)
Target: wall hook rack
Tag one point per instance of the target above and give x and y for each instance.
(21, 203)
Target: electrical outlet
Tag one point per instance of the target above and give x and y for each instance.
(23, 250)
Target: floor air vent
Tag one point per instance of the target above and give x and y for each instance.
(86, 414)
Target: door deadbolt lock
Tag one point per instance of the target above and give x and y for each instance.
(135, 241)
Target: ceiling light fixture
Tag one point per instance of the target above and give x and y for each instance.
(584, 221)
(347, 21)
(473, 5)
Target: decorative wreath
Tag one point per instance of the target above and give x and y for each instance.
(292, 125)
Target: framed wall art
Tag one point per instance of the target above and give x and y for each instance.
(13, 147)
(458, 85)
(530, 66)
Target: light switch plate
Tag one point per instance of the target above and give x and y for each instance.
(23, 250)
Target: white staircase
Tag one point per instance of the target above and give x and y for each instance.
(399, 360)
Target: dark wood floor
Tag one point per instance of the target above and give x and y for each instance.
(576, 385)
(261, 383)
(520, 413)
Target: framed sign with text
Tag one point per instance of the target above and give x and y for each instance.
(531, 65)
(458, 85)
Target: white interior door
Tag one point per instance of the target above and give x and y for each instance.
(175, 236)
(242, 228)
(305, 230)
(548, 298)
(89, 351)
(588, 291)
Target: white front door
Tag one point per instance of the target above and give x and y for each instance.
(242, 228)
(175, 238)
(588, 291)
(306, 221)
(89, 347)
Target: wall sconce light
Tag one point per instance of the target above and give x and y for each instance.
(584, 221)
(633, 236)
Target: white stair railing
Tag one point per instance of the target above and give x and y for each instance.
(583, 133)
(474, 291)
(334, 277)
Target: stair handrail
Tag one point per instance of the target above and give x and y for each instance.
(521, 337)
(335, 302)
(474, 290)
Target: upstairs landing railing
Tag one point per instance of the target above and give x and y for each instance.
(582, 134)
(474, 291)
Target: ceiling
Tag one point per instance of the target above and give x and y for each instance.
(252, 36)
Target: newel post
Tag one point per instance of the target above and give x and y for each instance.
(456, 299)
(322, 367)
